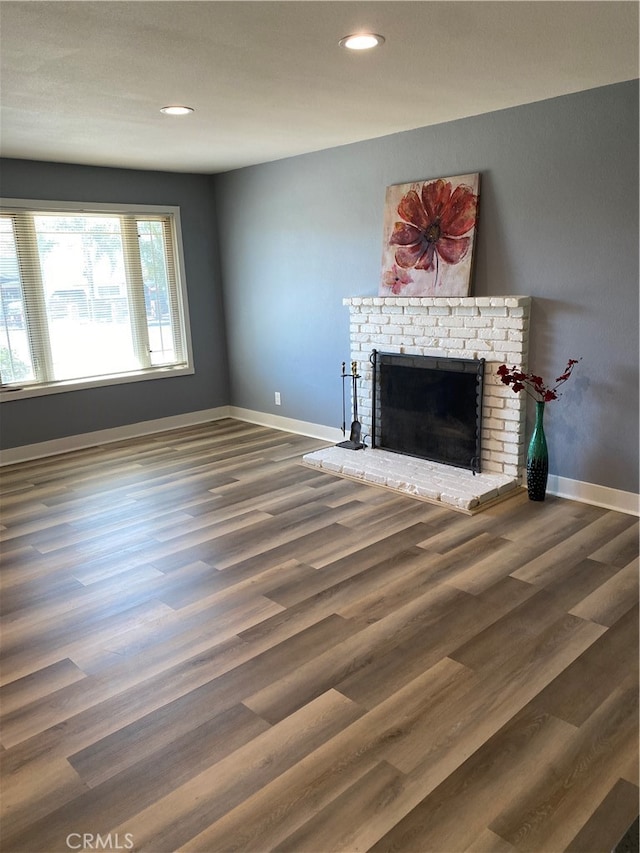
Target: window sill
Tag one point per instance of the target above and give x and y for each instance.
(23, 392)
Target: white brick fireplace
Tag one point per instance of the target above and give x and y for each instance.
(494, 328)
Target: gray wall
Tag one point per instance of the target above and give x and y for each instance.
(76, 412)
(558, 221)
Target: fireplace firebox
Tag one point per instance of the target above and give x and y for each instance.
(429, 407)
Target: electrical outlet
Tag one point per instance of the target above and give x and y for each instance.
(277, 398)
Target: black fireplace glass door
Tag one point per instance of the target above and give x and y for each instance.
(430, 408)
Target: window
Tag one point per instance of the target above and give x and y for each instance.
(89, 296)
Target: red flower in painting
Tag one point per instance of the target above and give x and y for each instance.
(532, 384)
(434, 225)
(396, 279)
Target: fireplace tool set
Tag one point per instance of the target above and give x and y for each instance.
(354, 442)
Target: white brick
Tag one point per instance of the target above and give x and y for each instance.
(511, 346)
(492, 467)
(517, 335)
(509, 323)
(490, 403)
(498, 456)
(477, 322)
(417, 312)
(465, 311)
(493, 423)
(510, 415)
(427, 342)
(498, 334)
(498, 413)
(497, 312)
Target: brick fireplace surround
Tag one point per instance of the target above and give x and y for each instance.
(495, 328)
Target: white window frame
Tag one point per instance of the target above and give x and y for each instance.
(19, 392)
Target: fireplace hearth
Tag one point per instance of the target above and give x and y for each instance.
(455, 488)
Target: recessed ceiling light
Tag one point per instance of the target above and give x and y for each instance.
(177, 110)
(361, 41)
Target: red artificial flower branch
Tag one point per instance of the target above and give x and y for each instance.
(534, 385)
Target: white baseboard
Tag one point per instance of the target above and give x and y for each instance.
(591, 493)
(27, 452)
(324, 433)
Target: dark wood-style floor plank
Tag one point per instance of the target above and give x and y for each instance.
(208, 646)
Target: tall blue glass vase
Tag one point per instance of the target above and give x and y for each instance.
(537, 459)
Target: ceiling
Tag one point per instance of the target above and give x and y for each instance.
(83, 82)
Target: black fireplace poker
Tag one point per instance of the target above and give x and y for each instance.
(354, 442)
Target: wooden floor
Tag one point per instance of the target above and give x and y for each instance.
(208, 646)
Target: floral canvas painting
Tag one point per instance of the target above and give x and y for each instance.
(429, 237)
